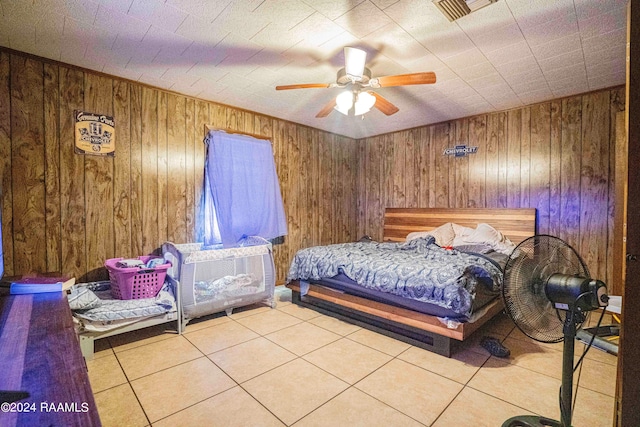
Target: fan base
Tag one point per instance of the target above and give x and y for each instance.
(531, 421)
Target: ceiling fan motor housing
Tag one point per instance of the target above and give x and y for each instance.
(343, 78)
(567, 291)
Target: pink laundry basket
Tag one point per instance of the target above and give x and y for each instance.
(135, 282)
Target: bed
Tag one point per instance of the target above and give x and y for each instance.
(97, 314)
(431, 325)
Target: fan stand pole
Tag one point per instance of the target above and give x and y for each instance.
(573, 318)
(566, 395)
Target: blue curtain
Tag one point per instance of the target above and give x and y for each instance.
(242, 193)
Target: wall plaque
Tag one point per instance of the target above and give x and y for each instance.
(95, 134)
(460, 151)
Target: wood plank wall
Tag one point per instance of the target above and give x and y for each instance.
(68, 212)
(557, 157)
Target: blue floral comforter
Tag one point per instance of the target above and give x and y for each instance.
(418, 269)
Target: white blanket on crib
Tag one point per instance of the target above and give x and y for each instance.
(227, 287)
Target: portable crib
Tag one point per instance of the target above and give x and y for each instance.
(213, 280)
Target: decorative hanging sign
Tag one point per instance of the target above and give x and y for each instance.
(460, 151)
(95, 134)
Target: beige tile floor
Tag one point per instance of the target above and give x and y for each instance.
(294, 366)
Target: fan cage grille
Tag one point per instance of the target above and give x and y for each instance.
(523, 290)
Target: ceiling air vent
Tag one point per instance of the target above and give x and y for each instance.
(455, 9)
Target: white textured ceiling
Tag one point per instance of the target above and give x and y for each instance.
(509, 54)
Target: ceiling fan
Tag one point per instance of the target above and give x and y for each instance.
(357, 99)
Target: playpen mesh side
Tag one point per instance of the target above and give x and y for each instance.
(259, 266)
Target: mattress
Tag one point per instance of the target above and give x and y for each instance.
(95, 310)
(343, 284)
(419, 275)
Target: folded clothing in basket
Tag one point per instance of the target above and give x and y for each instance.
(129, 263)
(132, 262)
(154, 262)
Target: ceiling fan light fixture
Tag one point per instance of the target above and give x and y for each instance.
(344, 102)
(355, 60)
(364, 103)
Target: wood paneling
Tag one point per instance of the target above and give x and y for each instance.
(177, 170)
(440, 166)
(163, 168)
(594, 182)
(199, 150)
(135, 176)
(149, 170)
(461, 168)
(492, 169)
(122, 171)
(513, 158)
(5, 162)
(27, 164)
(52, 167)
(68, 212)
(570, 153)
(190, 194)
(556, 157)
(72, 189)
(98, 183)
(477, 162)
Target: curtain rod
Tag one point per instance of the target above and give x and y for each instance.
(208, 128)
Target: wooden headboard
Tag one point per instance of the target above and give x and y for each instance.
(516, 224)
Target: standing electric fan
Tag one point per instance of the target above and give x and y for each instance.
(546, 292)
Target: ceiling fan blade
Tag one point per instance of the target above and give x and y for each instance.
(383, 105)
(326, 109)
(405, 79)
(304, 86)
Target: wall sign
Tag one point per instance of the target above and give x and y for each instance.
(460, 151)
(95, 134)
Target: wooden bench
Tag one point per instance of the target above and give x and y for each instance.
(40, 355)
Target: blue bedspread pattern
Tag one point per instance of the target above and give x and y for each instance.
(418, 269)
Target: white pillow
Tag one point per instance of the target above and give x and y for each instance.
(486, 234)
(443, 234)
(461, 230)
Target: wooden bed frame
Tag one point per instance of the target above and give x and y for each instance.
(418, 329)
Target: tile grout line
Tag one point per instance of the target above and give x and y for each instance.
(133, 390)
(129, 381)
(329, 373)
(375, 398)
(207, 398)
(361, 379)
(237, 384)
(296, 356)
